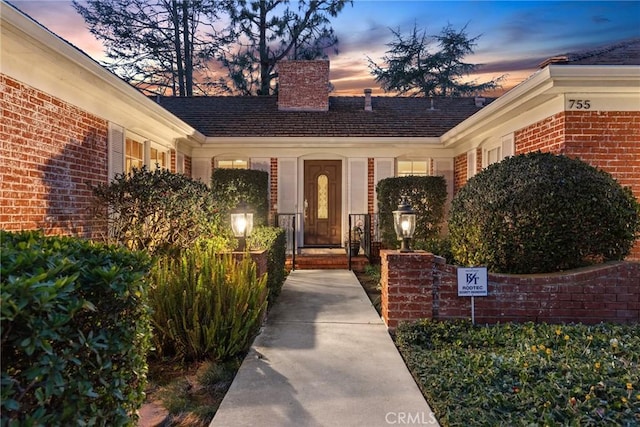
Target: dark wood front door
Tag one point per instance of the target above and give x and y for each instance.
(322, 202)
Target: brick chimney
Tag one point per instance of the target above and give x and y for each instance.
(303, 85)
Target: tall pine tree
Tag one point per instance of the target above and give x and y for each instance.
(267, 31)
(159, 46)
(411, 68)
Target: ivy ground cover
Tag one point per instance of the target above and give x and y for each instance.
(526, 374)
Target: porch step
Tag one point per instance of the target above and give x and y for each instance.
(327, 262)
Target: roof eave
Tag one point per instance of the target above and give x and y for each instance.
(543, 85)
(14, 20)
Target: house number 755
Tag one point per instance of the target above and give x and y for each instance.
(579, 104)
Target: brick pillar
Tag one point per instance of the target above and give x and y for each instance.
(407, 286)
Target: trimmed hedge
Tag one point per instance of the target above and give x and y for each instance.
(232, 186)
(540, 212)
(427, 196)
(75, 331)
(274, 241)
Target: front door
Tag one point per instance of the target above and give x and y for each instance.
(322, 202)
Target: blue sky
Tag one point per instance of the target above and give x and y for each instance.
(515, 35)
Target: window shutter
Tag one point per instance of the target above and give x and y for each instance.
(201, 170)
(383, 168)
(180, 163)
(471, 163)
(115, 156)
(287, 185)
(357, 188)
(444, 167)
(508, 148)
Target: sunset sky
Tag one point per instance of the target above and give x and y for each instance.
(515, 35)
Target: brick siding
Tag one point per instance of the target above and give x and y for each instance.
(460, 172)
(546, 135)
(52, 153)
(419, 285)
(187, 166)
(371, 185)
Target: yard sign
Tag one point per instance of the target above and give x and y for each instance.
(472, 282)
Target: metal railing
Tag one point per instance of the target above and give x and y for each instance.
(367, 226)
(366, 223)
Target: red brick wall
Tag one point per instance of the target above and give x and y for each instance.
(173, 161)
(419, 285)
(547, 135)
(607, 140)
(51, 154)
(607, 292)
(187, 166)
(303, 85)
(460, 172)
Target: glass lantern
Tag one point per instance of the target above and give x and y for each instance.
(404, 223)
(242, 223)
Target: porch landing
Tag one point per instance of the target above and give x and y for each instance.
(325, 259)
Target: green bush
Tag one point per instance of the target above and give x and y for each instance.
(75, 331)
(440, 246)
(205, 304)
(159, 211)
(540, 212)
(274, 241)
(525, 374)
(232, 186)
(426, 195)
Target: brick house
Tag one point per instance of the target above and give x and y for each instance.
(67, 123)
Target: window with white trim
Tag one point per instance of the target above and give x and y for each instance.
(148, 153)
(494, 155)
(232, 164)
(412, 167)
(134, 155)
(157, 159)
(498, 150)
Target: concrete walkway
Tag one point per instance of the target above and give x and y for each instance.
(324, 358)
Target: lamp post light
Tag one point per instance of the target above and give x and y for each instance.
(404, 223)
(242, 224)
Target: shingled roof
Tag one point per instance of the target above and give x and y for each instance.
(626, 52)
(246, 116)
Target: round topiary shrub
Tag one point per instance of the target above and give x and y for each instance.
(541, 212)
